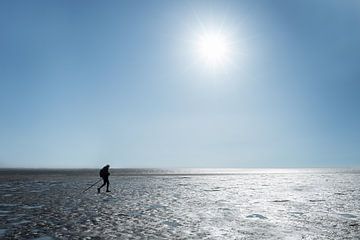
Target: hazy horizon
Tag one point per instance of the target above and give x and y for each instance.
(180, 84)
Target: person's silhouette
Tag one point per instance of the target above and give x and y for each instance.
(104, 174)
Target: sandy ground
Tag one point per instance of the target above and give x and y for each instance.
(256, 205)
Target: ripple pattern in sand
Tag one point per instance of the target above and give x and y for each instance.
(249, 206)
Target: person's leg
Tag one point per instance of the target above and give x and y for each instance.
(102, 185)
(107, 185)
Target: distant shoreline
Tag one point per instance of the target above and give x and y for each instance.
(172, 171)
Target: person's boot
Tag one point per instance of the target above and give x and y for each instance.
(98, 190)
(107, 190)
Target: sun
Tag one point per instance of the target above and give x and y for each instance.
(215, 45)
(213, 49)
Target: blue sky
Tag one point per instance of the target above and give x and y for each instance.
(86, 83)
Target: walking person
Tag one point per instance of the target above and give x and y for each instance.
(104, 174)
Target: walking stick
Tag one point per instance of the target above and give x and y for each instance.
(92, 186)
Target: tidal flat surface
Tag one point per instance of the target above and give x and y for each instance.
(181, 204)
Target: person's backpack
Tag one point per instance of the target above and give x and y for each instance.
(101, 173)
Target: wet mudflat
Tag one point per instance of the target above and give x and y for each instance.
(302, 204)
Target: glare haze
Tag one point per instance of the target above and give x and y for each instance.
(180, 83)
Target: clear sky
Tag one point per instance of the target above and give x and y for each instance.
(86, 83)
